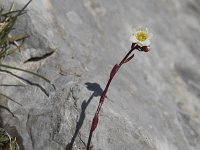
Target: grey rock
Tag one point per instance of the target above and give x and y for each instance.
(154, 101)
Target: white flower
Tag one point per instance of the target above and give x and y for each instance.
(141, 36)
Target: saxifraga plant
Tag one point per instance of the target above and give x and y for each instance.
(141, 42)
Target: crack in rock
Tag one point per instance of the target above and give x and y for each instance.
(39, 58)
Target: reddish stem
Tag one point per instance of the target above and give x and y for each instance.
(103, 96)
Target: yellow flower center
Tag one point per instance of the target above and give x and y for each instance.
(141, 35)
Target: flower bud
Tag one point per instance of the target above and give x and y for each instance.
(145, 48)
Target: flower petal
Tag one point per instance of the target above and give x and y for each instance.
(146, 43)
(133, 39)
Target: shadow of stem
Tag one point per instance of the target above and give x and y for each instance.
(97, 91)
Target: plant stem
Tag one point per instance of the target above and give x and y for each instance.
(103, 96)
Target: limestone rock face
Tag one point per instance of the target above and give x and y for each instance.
(154, 101)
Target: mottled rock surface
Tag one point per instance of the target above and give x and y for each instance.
(154, 101)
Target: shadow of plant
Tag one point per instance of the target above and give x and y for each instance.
(97, 91)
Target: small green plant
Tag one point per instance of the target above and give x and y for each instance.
(10, 44)
(7, 142)
(7, 22)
